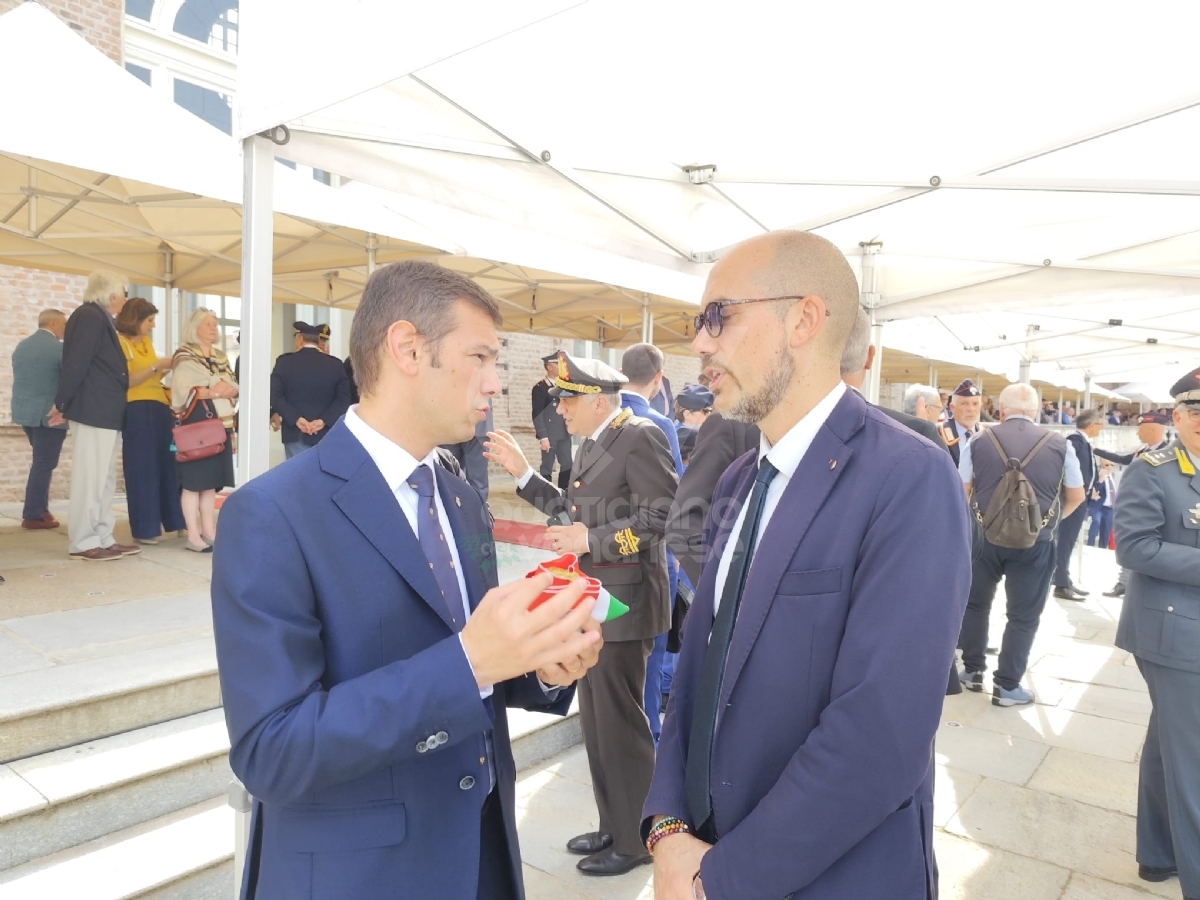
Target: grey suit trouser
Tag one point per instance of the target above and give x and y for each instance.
(1168, 821)
(616, 733)
(90, 518)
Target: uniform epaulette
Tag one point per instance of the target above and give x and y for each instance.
(1158, 457)
(623, 417)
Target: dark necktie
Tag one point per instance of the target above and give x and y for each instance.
(708, 695)
(434, 543)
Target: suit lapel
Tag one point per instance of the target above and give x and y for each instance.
(367, 502)
(823, 465)
(598, 453)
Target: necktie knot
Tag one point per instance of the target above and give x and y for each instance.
(766, 472)
(421, 481)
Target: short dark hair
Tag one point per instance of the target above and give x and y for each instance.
(135, 311)
(641, 363)
(1087, 418)
(415, 291)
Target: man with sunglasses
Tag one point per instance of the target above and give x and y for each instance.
(1158, 541)
(796, 756)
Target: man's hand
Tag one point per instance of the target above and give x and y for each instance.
(676, 862)
(504, 639)
(304, 425)
(276, 421)
(317, 425)
(571, 538)
(56, 418)
(502, 447)
(544, 445)
(563, 674)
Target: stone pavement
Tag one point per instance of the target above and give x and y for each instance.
(1031, 803)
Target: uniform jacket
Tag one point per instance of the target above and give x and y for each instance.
(718, 443)
(547, 423)
(36, 363)
(822, 759)
(621, 490)
(338, 663)
(1125, 459)
(1157, 520)
(1087, 462)
(311, 385)
(952, 434)
(94, 380)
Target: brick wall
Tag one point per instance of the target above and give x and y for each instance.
(100, 22)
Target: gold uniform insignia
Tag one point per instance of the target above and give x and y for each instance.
(1185, 462)
(627, 542)
(1158, 457)
(622, 417)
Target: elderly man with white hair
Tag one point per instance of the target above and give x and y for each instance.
(92, 389)
(924, 402)
(1050, 465)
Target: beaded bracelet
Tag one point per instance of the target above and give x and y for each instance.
(665, 827)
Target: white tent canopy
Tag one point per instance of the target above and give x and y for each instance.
(1030, 177)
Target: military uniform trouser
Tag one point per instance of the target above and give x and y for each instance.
(1168, 820)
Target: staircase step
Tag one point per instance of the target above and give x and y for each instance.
(187, 855)
(49, 709)
(67, 797)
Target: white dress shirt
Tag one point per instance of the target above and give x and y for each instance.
(396, 465)
(785, 456)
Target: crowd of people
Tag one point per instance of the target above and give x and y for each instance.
(758, 525)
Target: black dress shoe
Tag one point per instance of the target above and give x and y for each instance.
(1118, 590)
(1156, 873)
(610, 862)
(592, 842)
(1068, 594)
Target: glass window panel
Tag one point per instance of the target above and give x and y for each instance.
(139, 9)
(212, 22)
(138, 71)
(233, 309)
(210, 106)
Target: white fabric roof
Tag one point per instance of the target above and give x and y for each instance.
(1037, 168)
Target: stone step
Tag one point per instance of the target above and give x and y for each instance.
(68, 797)
(61, 706)
(187, 855)
(184, 855)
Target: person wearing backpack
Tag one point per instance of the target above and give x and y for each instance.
(1021, 479)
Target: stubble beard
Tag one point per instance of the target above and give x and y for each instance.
(753, 408)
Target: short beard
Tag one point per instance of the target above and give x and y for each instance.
(753, 408)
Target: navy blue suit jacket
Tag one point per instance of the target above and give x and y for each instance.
(822, 762)
(337, 663)
(311, 385)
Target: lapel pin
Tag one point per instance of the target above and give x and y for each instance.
(457, 502)
(832, 464)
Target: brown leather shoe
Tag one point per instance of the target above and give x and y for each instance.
(38, 524)
(126, 549)
(98, 554)
(48, 516)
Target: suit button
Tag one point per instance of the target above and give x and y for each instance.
(574, 509)
(467, 783)
(1170, 609)
(421, 748)
(442, 737)
(578, 483)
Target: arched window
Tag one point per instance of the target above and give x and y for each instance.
(212, 22)
(139, 9)
(212, 107)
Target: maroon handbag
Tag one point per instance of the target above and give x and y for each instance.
(200, 439)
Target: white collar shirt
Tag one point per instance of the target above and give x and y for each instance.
(595, 436)
(786, 456)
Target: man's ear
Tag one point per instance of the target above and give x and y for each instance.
(404, 347)
(804, 321)
(870, 357)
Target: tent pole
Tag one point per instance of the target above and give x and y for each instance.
(1023, 375)
(170, 313)
(372, 245)
(258, 155)
(869, 299)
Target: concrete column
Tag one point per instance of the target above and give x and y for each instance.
(257, 249)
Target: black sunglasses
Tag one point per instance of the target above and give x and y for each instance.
(713, 318)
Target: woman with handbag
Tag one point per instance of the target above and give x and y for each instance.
(203, 389)
(151, 487)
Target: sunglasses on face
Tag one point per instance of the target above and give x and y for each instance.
(713, 317)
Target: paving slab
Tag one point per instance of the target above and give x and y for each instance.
(988, 753)
(1085, 887)
(1111, 673)
(17, 656)
(1107, 783)
(17, 796)
(970, 871)
(951, 788)
(1109, 703)
(1065, 728)
(1052, 829)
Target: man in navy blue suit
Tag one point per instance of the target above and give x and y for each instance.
(366, 654)
(796, 755)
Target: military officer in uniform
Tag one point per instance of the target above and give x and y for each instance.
(623, 482)
(309, 391)
(1152, 432)
(548, 426)
(963, 423)
(1158, 541)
